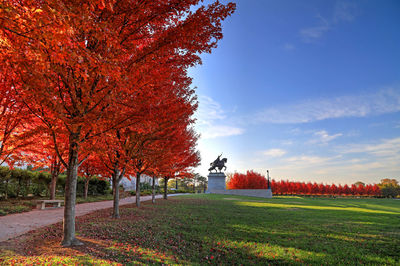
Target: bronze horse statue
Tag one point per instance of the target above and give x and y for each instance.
(218, 163)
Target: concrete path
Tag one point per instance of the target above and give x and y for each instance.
(14, 225)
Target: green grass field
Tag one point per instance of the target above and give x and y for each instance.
(221, 229)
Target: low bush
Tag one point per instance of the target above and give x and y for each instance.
(21, 183)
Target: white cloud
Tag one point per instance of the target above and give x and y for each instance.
(274, 152)
(343, 12)
(310, 34)
(381, 102)
(216, 131)
(307, 161)
(211, 120)
(324, 137)
(384, 148)
(313, 33)
(208, 111)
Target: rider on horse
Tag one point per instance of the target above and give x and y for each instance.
(216, 161)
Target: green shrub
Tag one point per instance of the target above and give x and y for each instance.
(21, 182)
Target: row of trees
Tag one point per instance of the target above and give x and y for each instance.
(192, 183)
(301, 188)
(254, 180)
(100, 87)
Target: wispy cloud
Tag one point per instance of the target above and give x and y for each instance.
(383, 148)
(211, 120)
(216, 131)
(274, 153)
(368, 162)
(344, 11)
(307, 161)
(323, 136)
(310, 34)
(384, 101)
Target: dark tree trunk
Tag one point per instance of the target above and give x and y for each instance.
(86, 187)
(69, 238)
(115, 183)
(153, 194)
(165, 188)
(6, 190)
(52, 187)
(55, 171)
(138, 189)
(116, 179)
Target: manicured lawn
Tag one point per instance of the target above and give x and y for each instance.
(221, 229)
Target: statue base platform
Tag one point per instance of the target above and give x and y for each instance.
(216, 182)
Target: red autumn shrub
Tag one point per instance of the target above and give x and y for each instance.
(250, 180)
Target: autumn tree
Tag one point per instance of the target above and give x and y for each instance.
(389, 187)
(89, 169)
(179, 156)
(41, 153)
(15, 119)
(74, 57)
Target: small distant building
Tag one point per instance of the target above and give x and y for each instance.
(130, 185)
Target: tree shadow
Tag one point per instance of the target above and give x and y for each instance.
(201, 231)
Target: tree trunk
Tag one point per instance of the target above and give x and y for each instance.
(165, 188)
(55, 170)
(153, 194)
(53, 185)
(115, 183)
(138, 189)
(70, 192)
(6, 190)
(86, 187)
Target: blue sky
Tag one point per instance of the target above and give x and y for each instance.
(307, 89)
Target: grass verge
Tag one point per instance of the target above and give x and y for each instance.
(221, 229)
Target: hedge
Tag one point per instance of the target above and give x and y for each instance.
(21, 183)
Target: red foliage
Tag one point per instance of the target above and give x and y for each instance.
(300, 188)
(250, 180)
(253, 180)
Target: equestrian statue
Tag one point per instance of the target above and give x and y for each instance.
(218, 163)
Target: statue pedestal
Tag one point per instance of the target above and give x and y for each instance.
(269, 193)
(216, 183)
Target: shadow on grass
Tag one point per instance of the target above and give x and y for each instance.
(209, 230)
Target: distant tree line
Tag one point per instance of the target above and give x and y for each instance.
(253, 180)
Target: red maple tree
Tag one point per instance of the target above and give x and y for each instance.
(79, 61)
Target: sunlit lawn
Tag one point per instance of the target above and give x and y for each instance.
(222, 229)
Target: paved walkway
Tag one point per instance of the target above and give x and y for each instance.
(17, 224)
